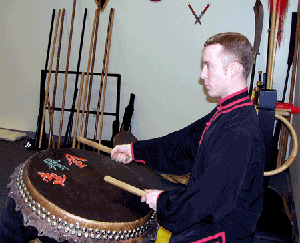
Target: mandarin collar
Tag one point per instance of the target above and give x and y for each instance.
(234, 97)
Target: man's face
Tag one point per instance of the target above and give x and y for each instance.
(213, 71)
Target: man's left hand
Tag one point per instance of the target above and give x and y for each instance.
(151, 198)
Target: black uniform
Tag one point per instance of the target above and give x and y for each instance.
(224, 153)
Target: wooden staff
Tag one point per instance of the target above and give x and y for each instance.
(109, 30)
(101, 84)
(284, 132)
(125, 186)
(83, 110)
(273, 44)
(92, 73)
(51, 111)
(88, 73)
(66, 74)
(43, 79)
(48, 79)
(68, 133)
(78, 109)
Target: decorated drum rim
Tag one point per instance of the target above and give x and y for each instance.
(56, 223)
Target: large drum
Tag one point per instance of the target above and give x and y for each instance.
(62, 193)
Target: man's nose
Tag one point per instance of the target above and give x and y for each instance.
(203, 74)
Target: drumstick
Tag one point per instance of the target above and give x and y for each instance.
(94, 144)
(125, 186)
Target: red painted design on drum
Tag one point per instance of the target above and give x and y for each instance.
(58, 180)
(75, 160)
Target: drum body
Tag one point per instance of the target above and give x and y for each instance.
(62, 193)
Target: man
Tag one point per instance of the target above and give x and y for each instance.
(223, 152)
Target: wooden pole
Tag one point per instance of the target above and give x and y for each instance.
(88, 74)
(109, 31)
(273, 45)
(101, 83)
(51, 111)
(78, 110)
(48, 79)
(66, 74)
(92, 73)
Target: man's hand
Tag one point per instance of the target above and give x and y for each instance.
(151, 198)
(122, 153)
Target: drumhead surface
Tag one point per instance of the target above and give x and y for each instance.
(62, 193)
(81, 189)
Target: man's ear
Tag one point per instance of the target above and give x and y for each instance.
(235, 68)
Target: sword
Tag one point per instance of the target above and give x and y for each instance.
(200, 16)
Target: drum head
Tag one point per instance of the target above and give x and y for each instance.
(63, 194)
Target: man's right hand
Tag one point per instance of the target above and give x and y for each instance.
(122, 153)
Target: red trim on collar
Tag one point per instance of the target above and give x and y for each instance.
(233, 94)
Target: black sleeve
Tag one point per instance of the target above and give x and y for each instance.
(174, 153)
(213, 193)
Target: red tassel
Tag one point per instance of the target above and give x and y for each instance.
(281, 9)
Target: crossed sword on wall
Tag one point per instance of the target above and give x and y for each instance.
(201, 14)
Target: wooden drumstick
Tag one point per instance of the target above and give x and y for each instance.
(125, 186)
(94, 144)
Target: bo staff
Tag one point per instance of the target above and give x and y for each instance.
(109, 30)
(51, 112)
(95, 37)
(66, 73)
(125, 186)
(83, 110)
(68, 133)
(273, 44)
(101, 83)
(42, 89)
(46, 101)
(88, 73)
(78, 109)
